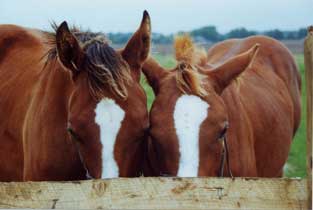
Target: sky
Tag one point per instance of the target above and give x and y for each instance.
(166, 16)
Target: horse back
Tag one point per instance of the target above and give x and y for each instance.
(21, 51)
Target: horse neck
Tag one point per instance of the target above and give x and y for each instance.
(54, 88)
(241, 139)
(46, 122)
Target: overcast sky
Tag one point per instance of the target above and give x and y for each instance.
(167, 16)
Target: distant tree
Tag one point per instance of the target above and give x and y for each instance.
(119, 38)
(290, 34)
(162, 39)
(208, 32)
(302, 32)
(276, 34)
(182, 33)
(240, 33)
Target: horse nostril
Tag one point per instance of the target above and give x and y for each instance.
(146, 130)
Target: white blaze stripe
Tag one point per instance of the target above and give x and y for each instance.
(109, 117)
(190, 111)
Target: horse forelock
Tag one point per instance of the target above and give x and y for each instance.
(104, 66)
(189, 58)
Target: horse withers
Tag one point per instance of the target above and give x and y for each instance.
(75, 113)
(232, 110)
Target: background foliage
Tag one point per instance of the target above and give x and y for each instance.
(210, 34)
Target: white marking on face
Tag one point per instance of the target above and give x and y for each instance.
(109, 117)
(190, 111)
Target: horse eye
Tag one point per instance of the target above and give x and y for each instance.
(224, 131)
(73, 134)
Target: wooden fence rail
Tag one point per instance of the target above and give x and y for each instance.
(158, 193)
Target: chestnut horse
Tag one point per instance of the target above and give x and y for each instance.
(244, 93)
(77, 112)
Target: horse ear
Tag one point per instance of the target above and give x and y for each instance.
(154, 74)
(224, 74)
(69, 51)
(138, 47)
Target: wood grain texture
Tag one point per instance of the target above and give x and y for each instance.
(158, 193)
(308, 61)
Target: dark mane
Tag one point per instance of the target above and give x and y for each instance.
(104, 67)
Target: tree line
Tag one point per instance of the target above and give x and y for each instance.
(210, 34)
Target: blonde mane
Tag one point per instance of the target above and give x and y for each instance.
(189, 58)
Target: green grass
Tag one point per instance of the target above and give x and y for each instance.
(296, 164)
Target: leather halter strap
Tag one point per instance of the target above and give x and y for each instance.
(225, 157)
(76, 140)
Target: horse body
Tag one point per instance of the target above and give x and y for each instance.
(15, 91)
(263, 106)
(254, 90)
(40, 100)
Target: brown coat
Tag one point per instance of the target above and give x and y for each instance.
(252, 83)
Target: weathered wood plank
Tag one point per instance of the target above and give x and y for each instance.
(158, 193)
(308, 60)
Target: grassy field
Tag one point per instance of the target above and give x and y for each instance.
(296, 165)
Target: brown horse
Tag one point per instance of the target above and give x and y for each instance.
(250, 85)
(78, 112)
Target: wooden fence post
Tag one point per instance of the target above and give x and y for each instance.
(308, 60)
